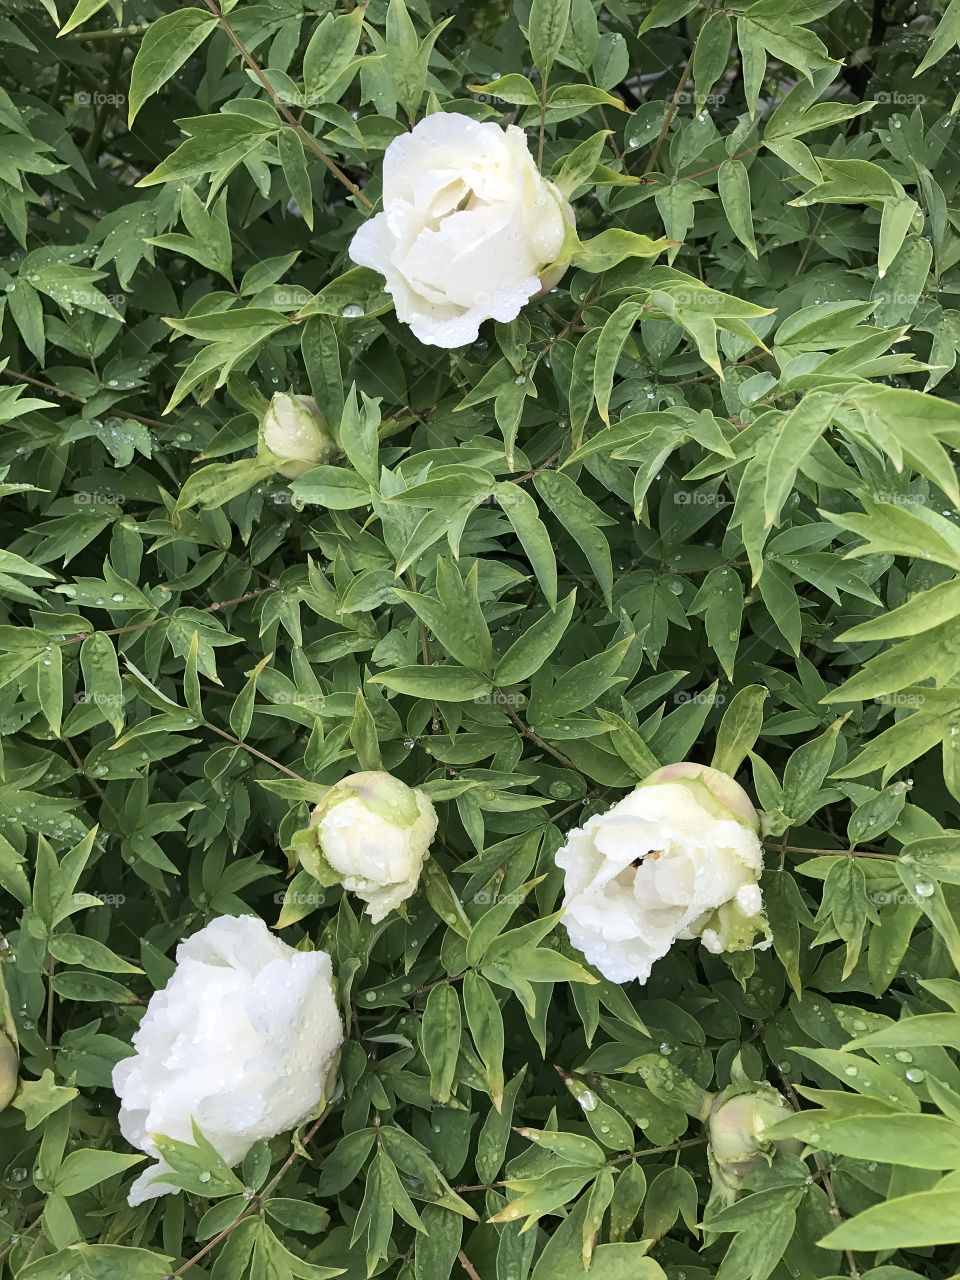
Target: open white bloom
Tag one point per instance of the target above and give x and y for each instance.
(296, 434)
(469, 229)
(679, 857)
(371, 833)
(241, 1040)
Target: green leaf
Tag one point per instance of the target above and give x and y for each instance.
(733, 184)
(548, 26)
(165, 47)
(440, 1039)
(530, 651)
(739, 728)
(914, 1221)
(521, 510)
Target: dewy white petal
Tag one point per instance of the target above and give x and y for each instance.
(240, 1040)
(655, 868)
(375, 858)
(468, 227)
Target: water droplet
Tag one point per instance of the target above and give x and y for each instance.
(903, 1056)
(924, 889)
(205, 1176)
(351, 311)
(914, 1075)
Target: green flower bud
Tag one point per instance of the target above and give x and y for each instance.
(737, 1127)
(714, 790)
(295, 434)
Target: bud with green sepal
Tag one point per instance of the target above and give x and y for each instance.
(295, 436)
(737, 1126)
(371, 833)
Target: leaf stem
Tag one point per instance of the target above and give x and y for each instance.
(256, 1202)
(668, 118)
(305, 136)
(533, 737)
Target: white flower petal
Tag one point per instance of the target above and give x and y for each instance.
(377, 859)
(240, 1040)
(468, 227)
(654, 868)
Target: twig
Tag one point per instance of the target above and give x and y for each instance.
(668, 118)
(256, 1202)
(533, 737)
(305, 136)
(254, 752)
(152, 622)
(467, 1265)
(852, 1264)
(835, 853)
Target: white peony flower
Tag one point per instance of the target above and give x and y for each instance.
(296, 434)
(679, 857)
(241, 1040)
(469, 229)
(371, 834)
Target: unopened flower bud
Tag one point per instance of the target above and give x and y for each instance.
(295, 433)
(737, 1129)
(371, 834)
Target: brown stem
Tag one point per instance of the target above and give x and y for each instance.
(852, 1265)
(139, 626)
(467, 1265)
(305, 136)
(668, 119)
(836, 853)
(69, 395)
(714, 167)
(254, 752)
(533, 737)
(535, 470)
(256, 1202)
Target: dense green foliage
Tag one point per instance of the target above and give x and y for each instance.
(695, 506)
